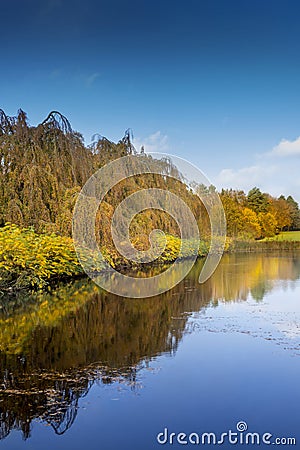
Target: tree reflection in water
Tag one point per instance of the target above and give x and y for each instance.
(54, 347)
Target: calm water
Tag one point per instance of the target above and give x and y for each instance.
(83, 369)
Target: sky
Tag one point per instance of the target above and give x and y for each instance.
(216, 82)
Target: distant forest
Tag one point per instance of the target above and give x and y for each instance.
(44, 167)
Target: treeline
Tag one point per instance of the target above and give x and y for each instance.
(44, 167)
(257, 215)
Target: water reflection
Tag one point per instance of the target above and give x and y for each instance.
(54, 347)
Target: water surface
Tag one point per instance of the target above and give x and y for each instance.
(81, 368)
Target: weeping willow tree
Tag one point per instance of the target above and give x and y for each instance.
(44, 167)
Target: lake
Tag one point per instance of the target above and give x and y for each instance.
(81, 368)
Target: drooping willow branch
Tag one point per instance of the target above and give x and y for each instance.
(56, 120)
(5, 123)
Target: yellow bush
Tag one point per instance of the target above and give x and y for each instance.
(28, 259)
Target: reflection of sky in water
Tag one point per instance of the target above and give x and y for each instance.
(276, 318)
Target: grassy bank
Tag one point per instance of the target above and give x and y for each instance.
(263, 245)
(291, 236)
(284, 241)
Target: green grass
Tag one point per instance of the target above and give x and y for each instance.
(285, 236)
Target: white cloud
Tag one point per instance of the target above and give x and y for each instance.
(246, 175)
(156, 142)
(269, 172)
(267, 177)
(86, 79)
(287, 148)
(92, 78)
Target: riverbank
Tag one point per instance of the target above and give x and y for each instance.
(32, 261)
(238, 246)
(285, 236)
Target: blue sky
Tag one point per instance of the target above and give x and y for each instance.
(215, 82)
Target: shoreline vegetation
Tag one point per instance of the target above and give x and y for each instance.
(32, 261)
(43, 169)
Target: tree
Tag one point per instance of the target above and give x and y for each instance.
(295, 213)
(268, 224)
(257, 201)
(281, 210)
(43, 168)
(233, 213)
(250, 224)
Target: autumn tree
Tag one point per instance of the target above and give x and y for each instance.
(251, 227)
(281, 210)
(268, 224)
